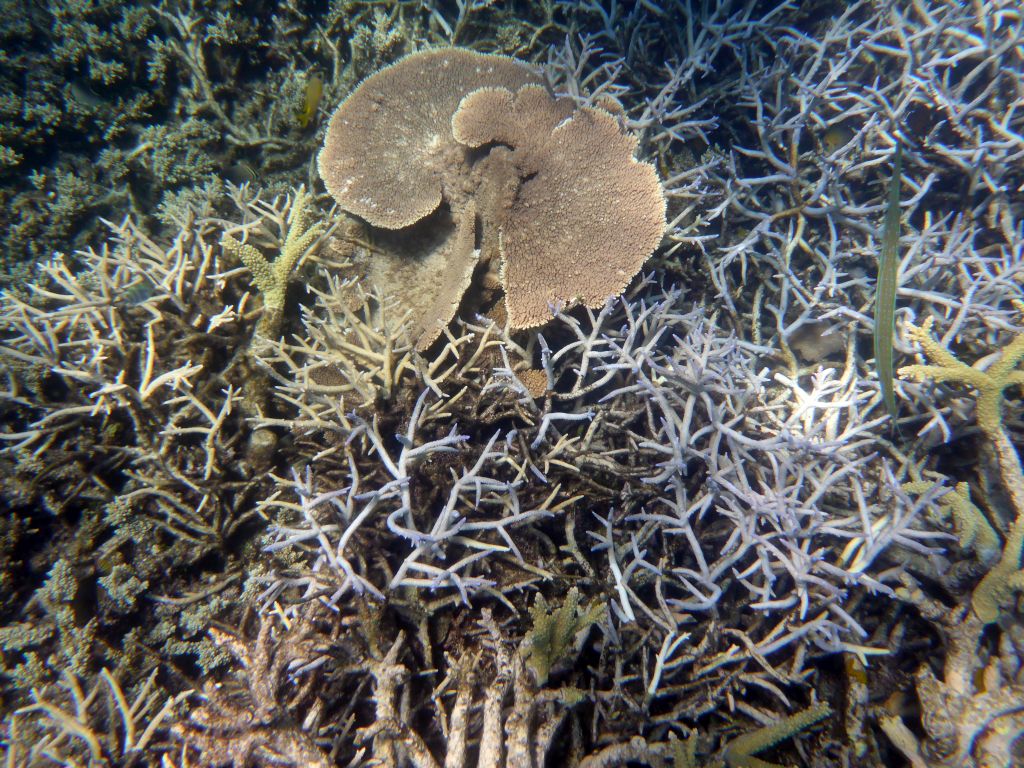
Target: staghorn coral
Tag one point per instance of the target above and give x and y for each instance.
(973, 714)
(805, 116)
(257, 722)
(289, 700)
(997, 588)
(665, 507)
(272, 278)
(739, 753)
(567, 214)
(973, 529)
(781, 232)
(122, 335)
(70, 724)
(126, 450)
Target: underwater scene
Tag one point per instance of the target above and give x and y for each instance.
(453, 383)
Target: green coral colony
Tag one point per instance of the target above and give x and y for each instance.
(512, 384)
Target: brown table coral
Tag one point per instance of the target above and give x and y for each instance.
(473, 146)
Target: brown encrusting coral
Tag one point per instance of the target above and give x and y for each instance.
(566, 213)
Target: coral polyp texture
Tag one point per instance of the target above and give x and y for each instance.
(585, 216)
(492, 384)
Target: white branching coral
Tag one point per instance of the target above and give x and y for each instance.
(134, 336)
(693, 481)
(472, 518)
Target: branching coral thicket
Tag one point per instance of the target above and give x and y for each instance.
(81, 715)
(238, 727)
(797, 123)
(121, 335)
(807, 220)
(654, 471)
(800, 195)
(124, 443)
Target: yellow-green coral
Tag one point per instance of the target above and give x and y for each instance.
(272, 278)
(973, 529)
(741, 750)
(996, 589)
(990, 383)
(554, 631)
(739, 753)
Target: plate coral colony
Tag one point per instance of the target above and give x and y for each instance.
(542, 422)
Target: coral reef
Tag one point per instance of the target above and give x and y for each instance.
(272, 278)
(126, 451)
(973, 714)
(256, 515)
(389, 156)
(995, 592)
(112, 108)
